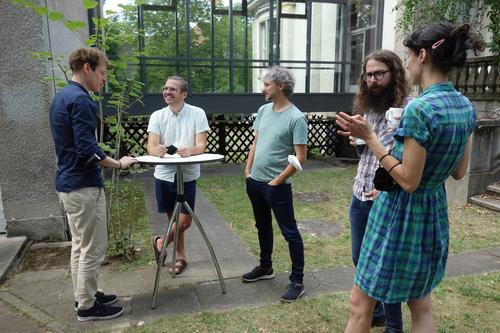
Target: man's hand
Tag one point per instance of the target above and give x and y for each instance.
(352, 141)
(372, 194)
(160, 150)
(127, 161)
(184, 151)
(274, 182)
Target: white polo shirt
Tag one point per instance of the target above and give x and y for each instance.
(179, 130)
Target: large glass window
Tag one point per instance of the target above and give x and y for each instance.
(223, 46)
(362, 37)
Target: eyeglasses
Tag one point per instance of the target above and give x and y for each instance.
(377, 75)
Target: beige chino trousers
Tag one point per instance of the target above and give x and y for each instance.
(86, 212)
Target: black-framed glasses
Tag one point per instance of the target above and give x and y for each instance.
(379, 75)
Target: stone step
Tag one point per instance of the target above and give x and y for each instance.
(487, 200)
(494, 188)
(11, 252)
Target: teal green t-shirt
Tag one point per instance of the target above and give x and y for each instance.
(278, 133)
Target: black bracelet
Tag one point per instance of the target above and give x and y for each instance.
(380, 161)
(395, 165)
(121, 165)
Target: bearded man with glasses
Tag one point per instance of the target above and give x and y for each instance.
(382, 84)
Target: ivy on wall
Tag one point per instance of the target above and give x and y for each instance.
(416, 13)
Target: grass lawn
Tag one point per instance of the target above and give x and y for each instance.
(471, 227)
(464, 304)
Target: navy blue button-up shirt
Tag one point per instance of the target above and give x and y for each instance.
(73, 121)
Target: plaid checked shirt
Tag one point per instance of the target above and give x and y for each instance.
(368, 163)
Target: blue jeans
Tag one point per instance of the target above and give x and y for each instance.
(265, 198)
(358, 215)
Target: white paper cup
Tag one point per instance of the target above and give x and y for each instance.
(294, 161)
(393, 117)
(360, 146)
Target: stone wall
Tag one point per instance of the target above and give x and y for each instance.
(27, 159)
(484, 167)
(2, 216)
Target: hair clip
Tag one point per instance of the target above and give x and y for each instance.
(436, 44)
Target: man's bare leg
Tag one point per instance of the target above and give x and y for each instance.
(185, 223)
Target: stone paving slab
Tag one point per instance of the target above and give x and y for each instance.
(472, 262)
(16, 323)
(10, 249)
(135, 291)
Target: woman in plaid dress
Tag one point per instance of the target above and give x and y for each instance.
(404, 251)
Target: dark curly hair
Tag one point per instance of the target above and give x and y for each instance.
(446, 43)
(399, 83)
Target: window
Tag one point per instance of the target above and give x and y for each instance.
(223, 49)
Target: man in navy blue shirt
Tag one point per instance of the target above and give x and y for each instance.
(73, 121)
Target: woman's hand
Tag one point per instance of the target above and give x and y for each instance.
(353, 126)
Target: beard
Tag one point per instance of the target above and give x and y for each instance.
(380, 98)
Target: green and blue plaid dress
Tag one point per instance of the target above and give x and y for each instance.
(405, 247)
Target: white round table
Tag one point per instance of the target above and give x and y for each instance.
(181, 201)
(171, 159)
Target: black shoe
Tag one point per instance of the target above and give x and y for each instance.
(378, 321)
(392, 330)
(102, 298)
(293, 293)
(258, 273)
(99, 312)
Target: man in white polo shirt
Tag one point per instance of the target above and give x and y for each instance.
(184, 127)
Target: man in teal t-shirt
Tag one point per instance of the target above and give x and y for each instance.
(280, 130)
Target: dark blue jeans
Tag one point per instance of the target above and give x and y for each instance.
(358, 215)
(278, 199)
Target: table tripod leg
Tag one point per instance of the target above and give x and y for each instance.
(159, 264)
(210, 249)
(176, 235)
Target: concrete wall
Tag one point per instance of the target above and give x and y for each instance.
(389, 25)
(27, 159)
(3, 224)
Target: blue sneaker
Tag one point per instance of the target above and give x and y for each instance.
(293, 293)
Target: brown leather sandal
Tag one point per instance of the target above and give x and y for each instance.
(158, 252)
(180, 265)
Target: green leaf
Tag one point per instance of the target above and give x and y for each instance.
(89, 4)
(41, 55)
(55, 16)
(127, 7)
(41, 10)
(74, 25)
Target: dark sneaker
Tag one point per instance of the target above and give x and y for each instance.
(102, 298)
(392, 330)
(378, 321)
(99, 312)
(258, 273)
(293, 293)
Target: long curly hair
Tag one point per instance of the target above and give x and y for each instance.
(399, 82)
